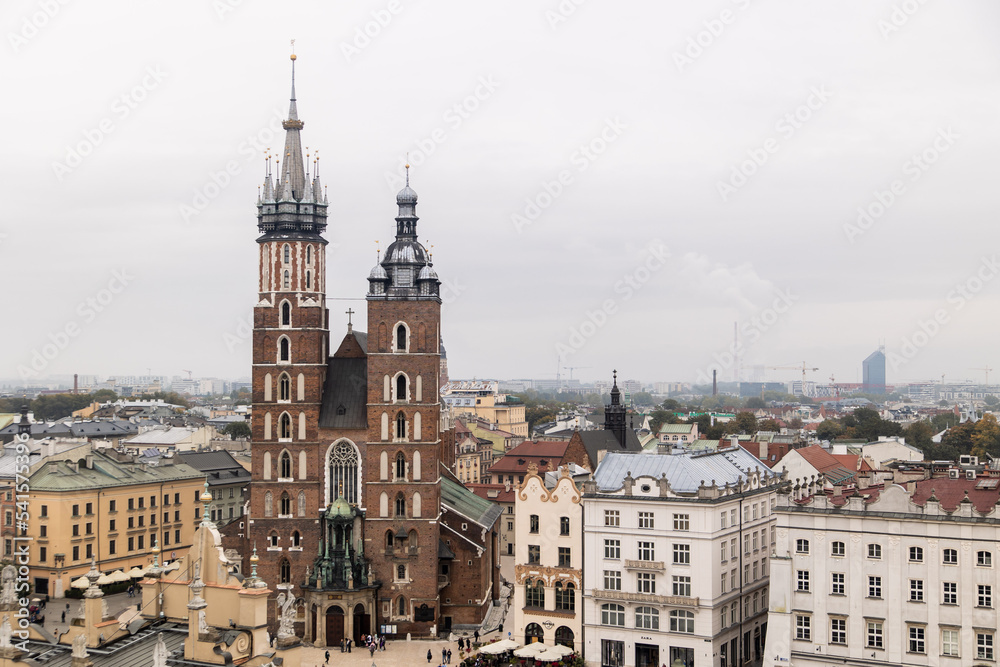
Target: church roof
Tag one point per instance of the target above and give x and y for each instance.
(345, 394)
(596, 441)
(468, 504)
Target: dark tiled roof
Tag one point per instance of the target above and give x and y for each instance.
(345, 394)
(595, 441)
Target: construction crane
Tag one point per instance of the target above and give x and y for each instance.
(803, 368)
(573, 368)
(987, 369)
(188, 372)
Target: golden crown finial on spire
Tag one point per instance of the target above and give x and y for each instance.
(293, 56)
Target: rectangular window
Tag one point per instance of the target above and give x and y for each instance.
(754, 577)
(131, 503)
(722, 585)
(89, 550)
(76, 553)
(166, 538)
(772, 535)
(177, 515)
(838, 583)
(916, 590)
(949, 556)
(131, 522)
(802, 581)
(916, 644)
(984, 559)
(722, 523)
(754, 512)
(612, 549)
(755, 541)
(45, 511)
(533, 523)
(564, 525)
(722, 551)
(43, 531)
(985, 596)
(90, 508)
(42, 552)
(801, 546)
(875, 551)
(646, 582)
(612, 518)
(564, 557)
(682, 554)
(647, 551)
(76, 510)
(646, 520)
(746, 544)
(131, 544)
(177, 536)
(142, 542)
(803, 628)
(682, 586)
(838, 630)
(950, 593)
(76, 530)
(874, 587)
(732, 518)
(984, 645)
(916, 555)
(142, 503)
(142, 521)
(837, 549)
(874, 634)
(177, 499)
(612, 580)
(949, 643)
(534, 554)
(682, 522)
(89, 528)
(732, 548)
(732, 580)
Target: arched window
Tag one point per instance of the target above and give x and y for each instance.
(534, 633)
(309, 280)
(401, 393)
(565, 636)
(286, 280)
(309, 254)
(412, 539)
(388, 539)
(272, 539)
(286, 504)
(681, 621)
(285, 431)
(400, 505)
(287, 253)
(534, 593)
(342, 467)
(400, 466)
(268, 504)
(284, 387)
(284, 350)
(401, 338)
(401, 606)
(565, 596)
(296, 539)
(401, 426)
(647, 618)
(613, 614)
(401, 572)
(302, 503)
(286, 314)
(285, 571)
(285, 466)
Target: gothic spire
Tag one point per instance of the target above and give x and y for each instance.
(293, 178)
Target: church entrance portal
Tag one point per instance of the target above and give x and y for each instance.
(362, 624)
(334, 625)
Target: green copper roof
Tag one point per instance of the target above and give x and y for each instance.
(468, 504)
(105, 472)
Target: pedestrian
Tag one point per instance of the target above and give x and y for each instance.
(476, 635)
(444, 655)
(326, 657)
(64, 617)
(371, 649)
(429, 656)
(348, 644)
(381, 643)
(449, 656)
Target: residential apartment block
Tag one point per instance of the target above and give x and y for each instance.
(676, 559)
(886, 575)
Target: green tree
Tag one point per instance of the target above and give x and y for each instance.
(829, 429)
(105, 396)
(756, 403)
(795, 423)
(959, 438)
(943, 421)
(659, 417)
(769, 425)
(986, 437)
(237, 430)
(744, 423)
(919, 434)
(991, 401)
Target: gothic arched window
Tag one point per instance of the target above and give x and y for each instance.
(400, 338)
(302, 503)
(388, 539)
(286, 314)
(401, 393)
(296, 539)
(402, 606)
(401, 572)
(285, 431)
(284, 350)
(400, 466)
(286, 280)
(284, 387)
(286, 504)
(343, 468)
(285, 571)
(400, 505)
(400, 426)
(268, 504)
(287, 253)
(285, 467)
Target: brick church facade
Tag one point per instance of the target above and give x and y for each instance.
(351, 503)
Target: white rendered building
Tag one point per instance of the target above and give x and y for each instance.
(897, 576)
(676, 559)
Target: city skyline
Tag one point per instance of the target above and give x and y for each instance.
(647, 238)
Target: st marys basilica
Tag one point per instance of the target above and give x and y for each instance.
(351, 503)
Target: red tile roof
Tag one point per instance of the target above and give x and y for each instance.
(502, 495)
(546, 454)
(850, 461)
(951, 492)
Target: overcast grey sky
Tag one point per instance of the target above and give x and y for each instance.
(731, 145)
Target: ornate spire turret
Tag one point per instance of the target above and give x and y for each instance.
(614, 414)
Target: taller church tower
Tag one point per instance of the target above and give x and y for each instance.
(290, 342)
(402, 484)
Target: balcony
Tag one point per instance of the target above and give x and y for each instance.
(644, 565)
(623, 596)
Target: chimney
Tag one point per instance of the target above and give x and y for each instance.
(763, 451)
(76, 383)
(715, 384)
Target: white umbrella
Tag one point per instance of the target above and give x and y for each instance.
(119, 577)
(548, 656)
(507, 644)
(82, 582)
(531, 650)
(498, 647)
(562, 650)
(104, 580)
(136, 573)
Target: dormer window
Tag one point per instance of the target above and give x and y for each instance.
(341, 410)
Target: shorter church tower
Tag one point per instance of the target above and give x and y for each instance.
(614, 414)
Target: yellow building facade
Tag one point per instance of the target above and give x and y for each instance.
(104, 505)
